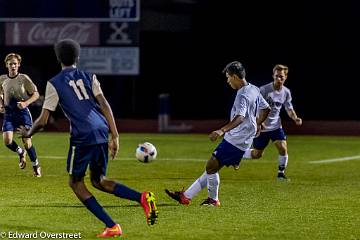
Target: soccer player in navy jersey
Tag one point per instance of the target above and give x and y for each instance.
(17, 93)
(238, 135)
(82, 101)
(277, 95)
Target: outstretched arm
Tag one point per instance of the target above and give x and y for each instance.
(39, 123)
(232, 124)
(106, 110)
(292, 114)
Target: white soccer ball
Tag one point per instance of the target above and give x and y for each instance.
(145, 152)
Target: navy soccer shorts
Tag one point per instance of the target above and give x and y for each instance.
(263, 139)
(16, 118)
(94, 156)
(227, 154)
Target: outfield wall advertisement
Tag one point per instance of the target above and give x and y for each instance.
(45, 33)
(110, 60)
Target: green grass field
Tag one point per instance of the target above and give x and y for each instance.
(322, 200)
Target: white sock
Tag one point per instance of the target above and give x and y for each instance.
(196, 187)
(213, 182)
(35, 163)
(19, 150)
(283, 160)
(247, 153)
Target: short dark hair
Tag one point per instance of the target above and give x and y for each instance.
(67, 51)
(235, 68)
(281, 67)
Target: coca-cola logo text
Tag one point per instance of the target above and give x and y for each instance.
(41, 33)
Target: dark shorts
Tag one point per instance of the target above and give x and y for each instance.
(94, 156)
(263, 139)
(227, 154)
(14, 119)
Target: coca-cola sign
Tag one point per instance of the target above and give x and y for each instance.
(47, 33)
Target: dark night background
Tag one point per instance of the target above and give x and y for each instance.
(184, 45)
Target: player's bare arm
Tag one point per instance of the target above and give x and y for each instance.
(232, 124)
(106, 110)
(39, 123)
(2, 108)
(263, 114)
(24, 104)
(292, 114)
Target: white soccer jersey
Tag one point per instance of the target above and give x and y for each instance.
(276, 99)
(14, 89)
(247, 102)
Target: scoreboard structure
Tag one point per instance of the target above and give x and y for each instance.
(108, 30)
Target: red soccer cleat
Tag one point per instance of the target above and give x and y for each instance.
(179, 196)
(114, 231)
(210, 202)
(148, 202)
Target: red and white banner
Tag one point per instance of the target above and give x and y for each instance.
(48, 33)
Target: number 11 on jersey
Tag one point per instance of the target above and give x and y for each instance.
(79, 84)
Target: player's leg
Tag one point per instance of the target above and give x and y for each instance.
(258, 146)
(77, 163)
(98, 166)
(225, 154)
(13, 146)
(253, 153)
(281, 146)
(79, 188)
(196, 187)
(184, 197)
(30, 149)
(213, 181)
(25, 119)
(104, 184)
(279, 139)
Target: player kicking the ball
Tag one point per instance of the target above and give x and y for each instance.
(238, 135)
(82, 100)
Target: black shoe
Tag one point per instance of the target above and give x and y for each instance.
(281, 177)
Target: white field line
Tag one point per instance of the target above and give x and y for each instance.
(120, 159)
(357, 157)
(133, 158)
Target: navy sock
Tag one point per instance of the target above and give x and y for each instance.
(32, 153)
(98, 211)
(123, 191)
(13, 146)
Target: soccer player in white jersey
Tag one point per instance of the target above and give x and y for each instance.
(238, 135)
(17, 93)
(277, 95)
(80, 96)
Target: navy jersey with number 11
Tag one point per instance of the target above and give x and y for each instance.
(75, 90)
